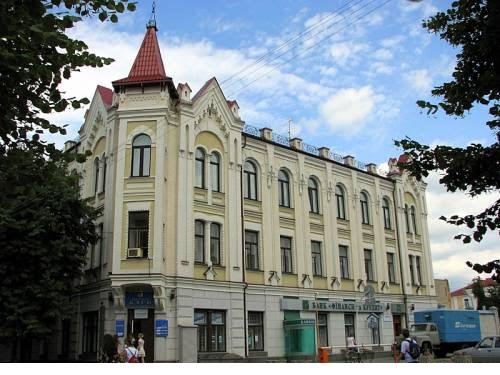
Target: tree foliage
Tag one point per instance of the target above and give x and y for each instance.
(35, 56)
(473, 27)
(489, 299)
(45, 230)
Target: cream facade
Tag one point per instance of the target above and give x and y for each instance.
(230, 235)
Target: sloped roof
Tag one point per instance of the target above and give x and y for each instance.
(484, 283)
(203, 88)
(148, 65)
(106, 95)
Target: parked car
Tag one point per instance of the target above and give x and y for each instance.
(486, 350)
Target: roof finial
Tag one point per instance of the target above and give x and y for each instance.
(152, 19)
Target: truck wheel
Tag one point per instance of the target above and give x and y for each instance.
(426, 348)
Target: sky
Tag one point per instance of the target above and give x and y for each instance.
(344, 74)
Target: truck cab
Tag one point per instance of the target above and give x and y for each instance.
(426, 335)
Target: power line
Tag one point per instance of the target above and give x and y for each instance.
(304, 40)
(309, 48)
(287, 42)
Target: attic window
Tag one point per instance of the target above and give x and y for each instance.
(185, 94)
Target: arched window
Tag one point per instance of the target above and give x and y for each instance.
(104, 165)
(96, 175)
(340, 196)
(365, 214)
(313, 195)
(141, 155)
(387, 213)
(250, 181)
(215, 171)
(199, 168)
(283, 189)
(407, 219)
(413, 219)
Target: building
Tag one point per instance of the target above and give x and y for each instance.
(464, 298)
(221, 240)
(443, 295)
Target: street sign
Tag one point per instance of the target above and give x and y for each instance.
(120, 328)
(161, 328)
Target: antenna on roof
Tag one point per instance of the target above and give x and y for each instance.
(289, 129)
(152, 19)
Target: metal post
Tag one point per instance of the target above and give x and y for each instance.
(316, 325)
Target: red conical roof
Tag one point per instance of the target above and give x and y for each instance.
(148, 65)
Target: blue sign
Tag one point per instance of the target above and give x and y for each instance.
(161, 328)
(120, 328)
(139, 299)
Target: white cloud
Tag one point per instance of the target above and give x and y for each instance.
(379, 67)
(383, 54)
(449, 255)
(219, 25)
(420, 80)
(392, 41)
(328, 70)
(347, 110)
(347, 52)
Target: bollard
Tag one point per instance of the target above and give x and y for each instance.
(324, 353)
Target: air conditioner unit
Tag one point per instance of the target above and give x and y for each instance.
(135, 252)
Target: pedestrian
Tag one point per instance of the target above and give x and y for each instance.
(405, 347)
(131, 352)
(351, 344)
(140, 348)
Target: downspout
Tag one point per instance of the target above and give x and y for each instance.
(405, 298)
(243, 271)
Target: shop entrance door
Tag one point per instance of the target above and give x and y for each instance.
(142, 321)
(396, 325)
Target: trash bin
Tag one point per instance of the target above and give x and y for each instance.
(324, 353)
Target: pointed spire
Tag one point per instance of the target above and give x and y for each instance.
(152, 19)
(148, 64)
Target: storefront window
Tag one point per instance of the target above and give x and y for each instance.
(90, 332)
(323, 329)
(255, 331)
(349, 326)
(211, 330)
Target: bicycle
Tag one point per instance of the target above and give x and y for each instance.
(352, 356)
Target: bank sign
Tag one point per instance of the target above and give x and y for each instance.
(332, 306)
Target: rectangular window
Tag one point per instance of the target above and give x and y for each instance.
(138, 231)
(323, 329)
(252, 249)
(286, 254)
(349, 326)
(368, 265)
(412, 274)
(255, 331)
(419, 271)
(199, 241)
(344, 262)
(316, 258)
(215, 243)
(390, 267)
(96, 256)
(89, 332)
(211, 330)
